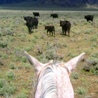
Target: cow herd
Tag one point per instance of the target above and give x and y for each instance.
(32, 23)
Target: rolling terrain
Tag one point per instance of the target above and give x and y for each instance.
(17, 76)
(50, 3)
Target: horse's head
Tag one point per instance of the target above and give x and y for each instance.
(53, 77)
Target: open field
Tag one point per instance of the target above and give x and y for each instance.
(17, 76)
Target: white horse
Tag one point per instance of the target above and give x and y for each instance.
(53, 78)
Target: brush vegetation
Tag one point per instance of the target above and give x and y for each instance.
(17, 76)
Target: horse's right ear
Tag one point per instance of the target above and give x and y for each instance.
(71, 64)
(33, 61)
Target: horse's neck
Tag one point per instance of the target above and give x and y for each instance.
(64, 86)
(54, 83)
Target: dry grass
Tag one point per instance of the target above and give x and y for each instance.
(14, 34)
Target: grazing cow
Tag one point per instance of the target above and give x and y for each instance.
(66, 26)
(53, 77)
(27, 18)
(54, 15)
(50, 29)
(31, 23)
(89, 17)
(36, 14)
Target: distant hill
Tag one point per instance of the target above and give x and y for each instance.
(10, 1)
(60, 3)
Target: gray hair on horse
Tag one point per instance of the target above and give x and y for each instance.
(53, 77)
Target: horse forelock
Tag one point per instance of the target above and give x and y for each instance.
(53, 81)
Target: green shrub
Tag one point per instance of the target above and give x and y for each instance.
(24, 59)
(0, 32)
(10, 75)
(4, 56)
(22, 95)
(27, 66)
(88, 32)
(36, 37)
(92, 64)
(75, 75)
(12, 66)
(8, 31)
(3, 44)
(94, 39)
(95, 55)
(81, 90)
(6, 89)
(34, 41)
(94, 70)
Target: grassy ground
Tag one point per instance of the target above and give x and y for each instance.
(17, 77)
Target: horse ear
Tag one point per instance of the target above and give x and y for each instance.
(71, 65)
(33, 61)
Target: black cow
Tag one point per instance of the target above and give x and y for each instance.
(50, 29)
(54, 15)
(31, 23)
(27, 18)
(66, 26)
(89, 17)
(36, 14)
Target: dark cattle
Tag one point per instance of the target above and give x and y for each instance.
(36, 14)
(27, 18)
(31, 23)
(66, 26)
(50, 29)
(54, 15)
(89, 17)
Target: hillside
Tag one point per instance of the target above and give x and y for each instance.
(10, 1)
(60, 3)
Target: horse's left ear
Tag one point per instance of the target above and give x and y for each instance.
(71, 65)
(38, 66)
(33, 61)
